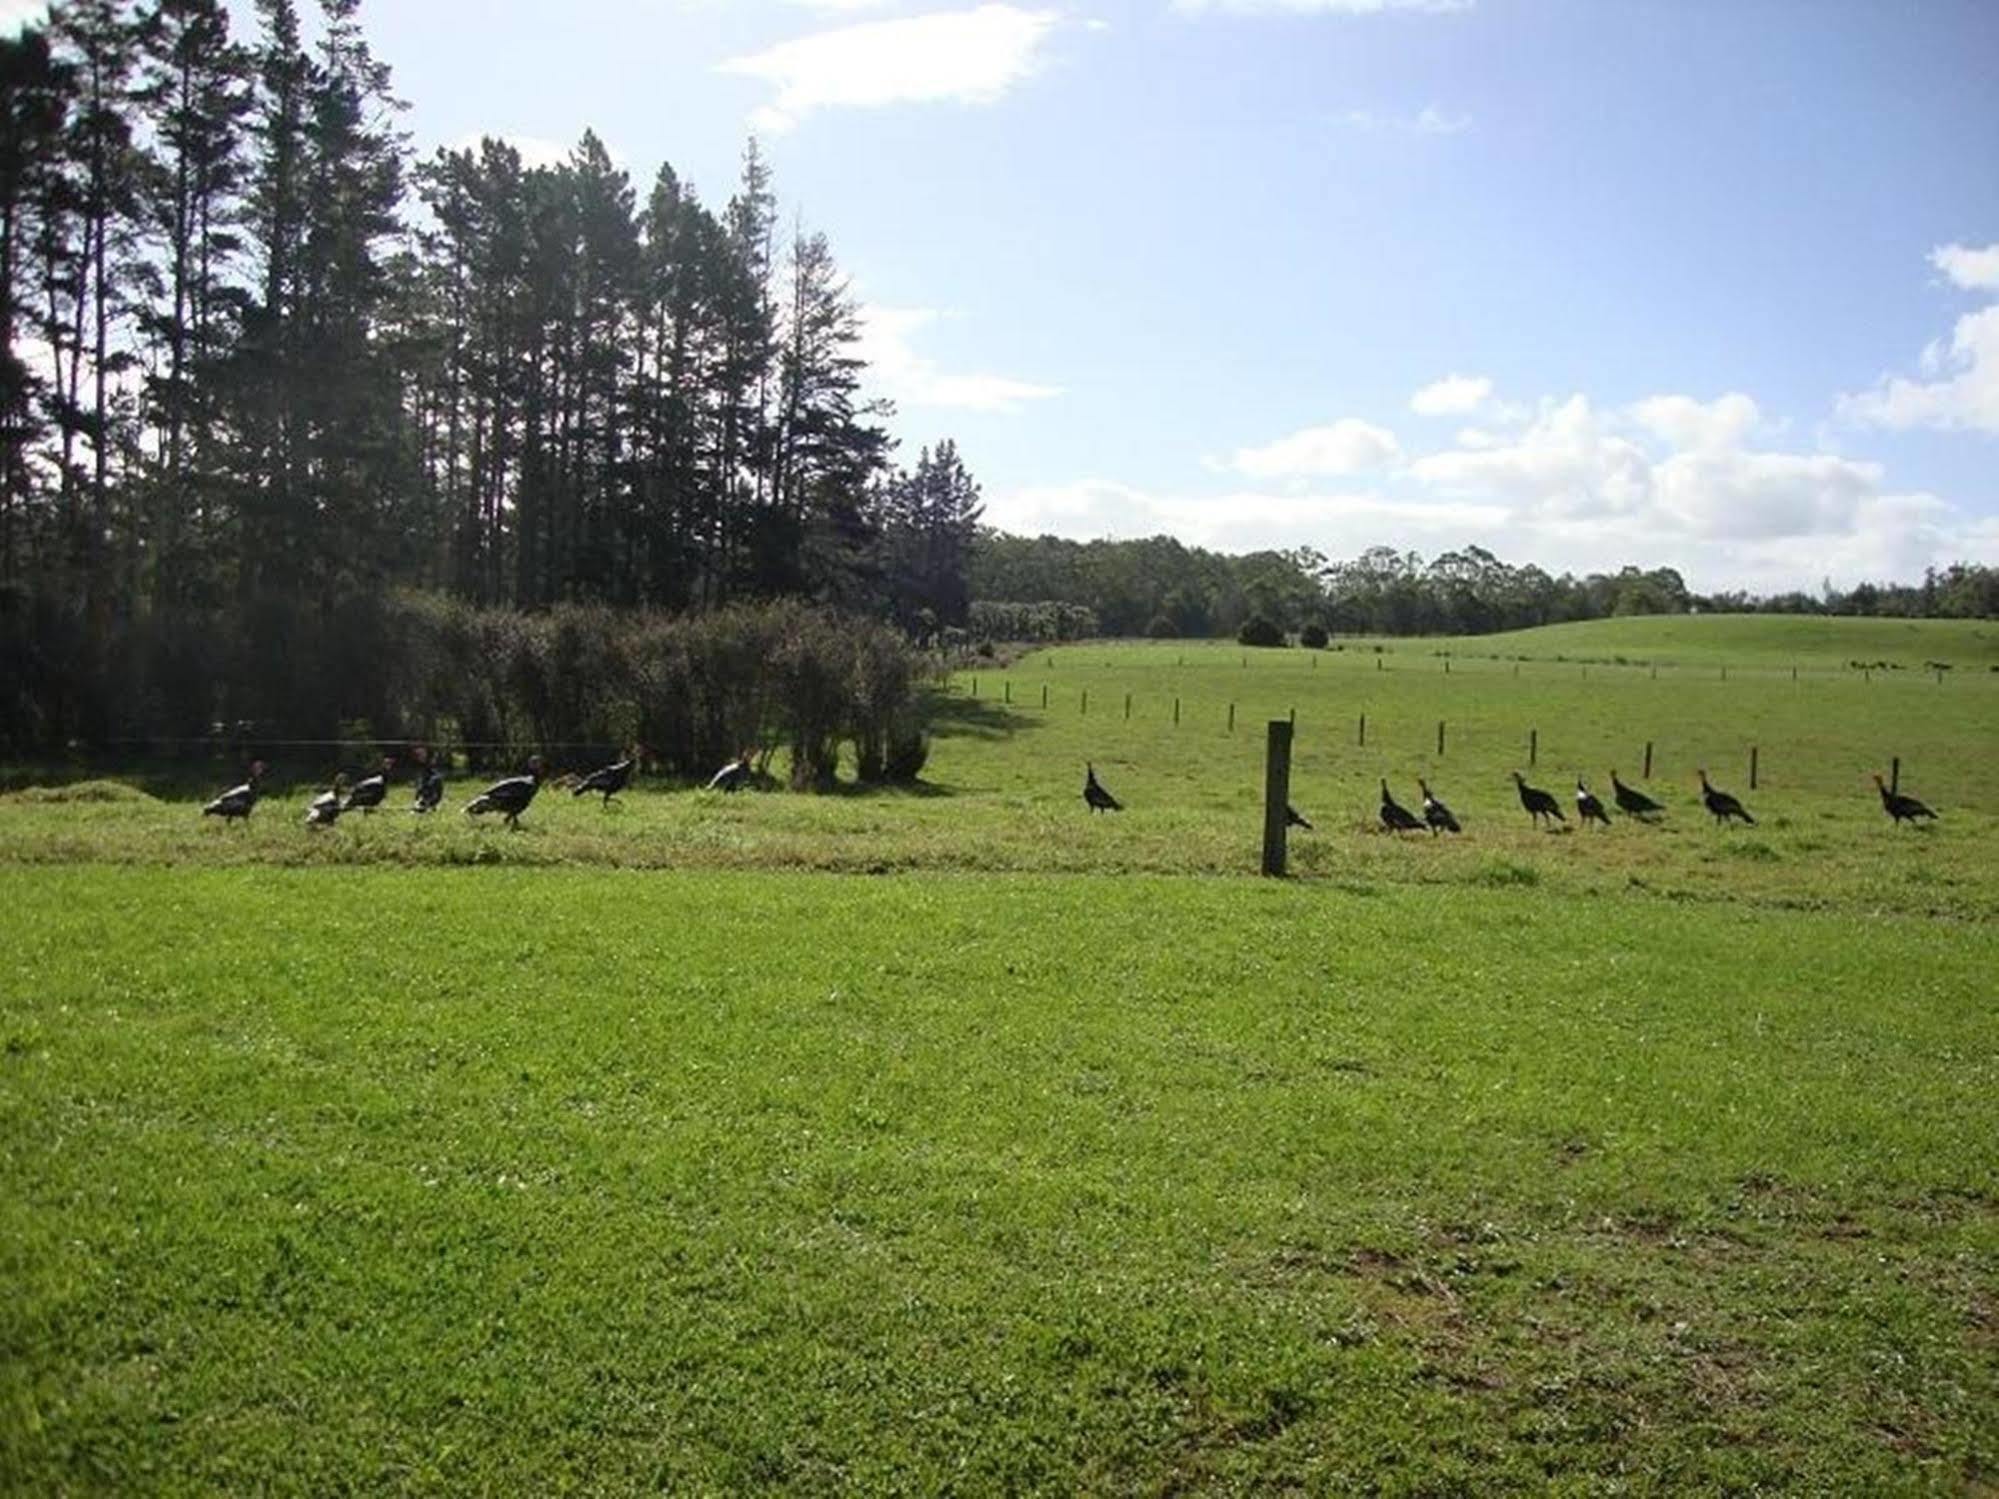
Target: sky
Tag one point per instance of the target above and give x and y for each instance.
(1710, 284)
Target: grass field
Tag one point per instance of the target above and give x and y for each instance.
(650, 1149)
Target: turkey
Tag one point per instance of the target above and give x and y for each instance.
(1588, 807)
(1537, 802)
(509, 797)
(238, 802)
(429, 784)
(1396, 817)
(1293, 818)
(1901, 808)
(1094, 796)
(369, 791)
(610, 779)
(325, 809)
(1632, 802)
(733, 776)
(1721, 804)
(1435, 813)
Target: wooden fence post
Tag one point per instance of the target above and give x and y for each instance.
(1363, 731)
(1044, 694)
(1648, 759)
(1127, 705)
(1009, 689)
(1533, 746)
(1176, 713)
(1231, 718)
(1276, 796)
(1440, 739)
(1895, 774)
(1086, 702)
(975, 687)
(1752, 767)
(1294, 718)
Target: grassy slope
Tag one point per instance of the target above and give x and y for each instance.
(328, 1180)
(1754, 639)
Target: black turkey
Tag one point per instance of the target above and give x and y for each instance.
(510, 797)
(237, 803)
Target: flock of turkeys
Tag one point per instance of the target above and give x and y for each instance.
(1540, 805)
(512, 796)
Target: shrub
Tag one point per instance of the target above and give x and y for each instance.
(1162, 628)
(397, 667)
(1314, 637)
(1258, 630)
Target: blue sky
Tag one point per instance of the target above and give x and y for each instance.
(1708, 283)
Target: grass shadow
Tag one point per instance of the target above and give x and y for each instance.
(953, 716)
(917, 790)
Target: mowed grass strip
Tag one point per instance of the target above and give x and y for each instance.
(448, 1181)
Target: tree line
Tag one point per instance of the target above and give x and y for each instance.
(1161, 587)
(257, 364)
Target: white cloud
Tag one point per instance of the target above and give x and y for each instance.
(1348, 446)
(1670, 479)
(1962, 393)
(1690, 425)
(896, 370)
(1567, 462)
(1972, 269)
(1960, 390)
(1732, 495)
(1242, 520)
(1667, 481)
(1318, 7)
(1428, 120)
(843, 5)
(968, 57)
(1454, 394)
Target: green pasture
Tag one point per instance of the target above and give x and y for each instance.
(1001, 792)
(954, 1139)
(475, 1181)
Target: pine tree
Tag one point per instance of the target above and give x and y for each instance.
(825, 454)
(931, 521)
(34, 105)
(267, 363)
(194, 99)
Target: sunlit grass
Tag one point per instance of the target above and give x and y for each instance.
(469, 1181)
(636, 1151)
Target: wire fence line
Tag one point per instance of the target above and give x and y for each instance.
(1471, 741)
(232, 740)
